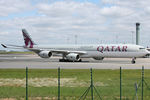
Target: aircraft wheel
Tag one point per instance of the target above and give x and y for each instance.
(133, 61)
(80, 60)
(62, 60)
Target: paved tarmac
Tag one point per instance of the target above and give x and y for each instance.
(34, 61)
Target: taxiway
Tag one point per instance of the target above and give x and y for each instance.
(34, 61)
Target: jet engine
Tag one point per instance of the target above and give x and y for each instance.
(73, 57)
(98, 58)
(45, 54)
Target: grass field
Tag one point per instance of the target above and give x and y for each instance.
(43, 84)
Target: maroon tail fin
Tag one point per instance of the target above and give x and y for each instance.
(27, 40)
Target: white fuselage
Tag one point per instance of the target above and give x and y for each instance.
(102, 50)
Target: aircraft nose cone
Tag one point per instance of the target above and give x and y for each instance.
(147, 54)
(147, 51)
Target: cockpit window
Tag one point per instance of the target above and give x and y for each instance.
(141, 48)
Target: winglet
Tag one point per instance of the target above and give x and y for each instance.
(4, 45)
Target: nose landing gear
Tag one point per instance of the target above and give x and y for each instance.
(133, 60)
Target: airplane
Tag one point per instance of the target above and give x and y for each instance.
(75, 53)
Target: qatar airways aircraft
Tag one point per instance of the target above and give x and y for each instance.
(74, 53)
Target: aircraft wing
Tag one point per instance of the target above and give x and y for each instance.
(37, 50)
(20, 47)
(67, 52)
(12, 46)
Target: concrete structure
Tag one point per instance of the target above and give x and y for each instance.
(137, 33)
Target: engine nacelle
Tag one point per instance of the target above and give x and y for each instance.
(73, 57)
(45, 54)
(98, 58)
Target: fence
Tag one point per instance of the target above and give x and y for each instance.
(132, 85)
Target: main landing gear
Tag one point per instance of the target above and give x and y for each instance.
(133, 60)
(66, 60)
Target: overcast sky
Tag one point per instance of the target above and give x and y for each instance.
(58, 21)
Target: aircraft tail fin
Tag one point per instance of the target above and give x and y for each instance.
(27, 39)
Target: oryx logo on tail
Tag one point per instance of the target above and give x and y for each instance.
(27, 40)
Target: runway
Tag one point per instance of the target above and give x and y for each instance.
(34, 61)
